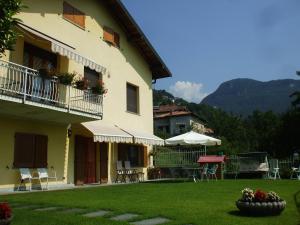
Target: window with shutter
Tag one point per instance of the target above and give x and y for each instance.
(41, 143)
(73, 15)
(110, 36)
(132, 98)
(30, 151)
(24, 150)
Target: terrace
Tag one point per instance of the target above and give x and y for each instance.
(45, 97)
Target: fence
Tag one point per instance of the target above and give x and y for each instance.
(27, 84)
(178, 158)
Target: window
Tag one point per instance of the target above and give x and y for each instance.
(110, 36)
(30, 151)
(73, 15)
(137, 155)
(38, 58)
(92, 77)
(132, 98)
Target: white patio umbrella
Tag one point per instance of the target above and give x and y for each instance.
(193, 138)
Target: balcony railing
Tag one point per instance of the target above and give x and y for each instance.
(24, 83)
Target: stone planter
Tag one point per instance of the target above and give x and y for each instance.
(6, 222)
(261, 208)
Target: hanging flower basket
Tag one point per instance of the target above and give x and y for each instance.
(260, 203)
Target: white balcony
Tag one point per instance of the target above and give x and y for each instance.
(44, 96)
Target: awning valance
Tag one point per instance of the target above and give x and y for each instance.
(63, 49)
(145, 138)
(107, 133)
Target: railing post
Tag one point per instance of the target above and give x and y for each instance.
(69, 97)
(25, 85)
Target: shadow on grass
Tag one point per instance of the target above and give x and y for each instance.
(242, 214)
(167, 181)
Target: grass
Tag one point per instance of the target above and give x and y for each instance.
(207, 203)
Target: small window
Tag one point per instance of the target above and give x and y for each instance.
(132, 98)
(92, 77)
(110, 36)
(135, 154)
(73, 15)
(30, 151)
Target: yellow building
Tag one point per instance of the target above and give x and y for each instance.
(74, 130)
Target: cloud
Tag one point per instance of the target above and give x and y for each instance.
(189, 91)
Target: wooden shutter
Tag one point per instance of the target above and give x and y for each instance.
(74, 15)
(110, 36)
(116, 40)
(79, 18)
(41, 151)
(145, 154)
(132, 98)
(68, 11)
(24, 150)
(80, 145)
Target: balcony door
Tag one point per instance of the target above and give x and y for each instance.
(85, 160)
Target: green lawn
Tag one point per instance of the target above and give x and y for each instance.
(208, 203)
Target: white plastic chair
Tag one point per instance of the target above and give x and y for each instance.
(274, 169)
(204, 171)
(120, 173)
(43, 174)
(25, 175)
(212, 171)
(131, 173)
(295, 173)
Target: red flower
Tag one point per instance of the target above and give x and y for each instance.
(5, 211)
(260, 196)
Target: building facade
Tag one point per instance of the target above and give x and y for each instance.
(173, 120)
(71, 129)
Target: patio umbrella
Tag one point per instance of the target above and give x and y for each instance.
(193, 138)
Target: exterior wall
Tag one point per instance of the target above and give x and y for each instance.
(124, 64)
(57, 148)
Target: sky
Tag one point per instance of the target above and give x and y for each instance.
(207, 42)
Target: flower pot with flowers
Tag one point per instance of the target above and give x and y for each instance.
(99, 88)
(260, 203)
(5, 213)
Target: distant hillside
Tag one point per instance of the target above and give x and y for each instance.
(243, 96)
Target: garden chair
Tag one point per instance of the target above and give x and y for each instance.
(211, 172)
(204, 170)
(130, 173)
(295, 174)
(43, 174)
(120, 173)
(25, 175)
(273, 169)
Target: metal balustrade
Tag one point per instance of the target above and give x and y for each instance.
(24, 83)
(177, 158)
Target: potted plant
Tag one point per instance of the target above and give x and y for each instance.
(81, 84)
(66, 78)
(5, 213)
(99, 89)
(260, 203)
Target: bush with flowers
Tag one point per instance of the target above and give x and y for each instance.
(5, 213)
(99, 88)
(260, 202)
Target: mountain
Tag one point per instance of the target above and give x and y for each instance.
(243, 96)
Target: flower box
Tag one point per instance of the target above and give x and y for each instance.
(260, 203)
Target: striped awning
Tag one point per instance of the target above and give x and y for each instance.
(63, 49)
(107, 133)
(144, 138)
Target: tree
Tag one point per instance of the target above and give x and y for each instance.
(8, 36)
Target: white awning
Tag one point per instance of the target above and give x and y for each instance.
(107, 133)
(63, 49)
(145, 138)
